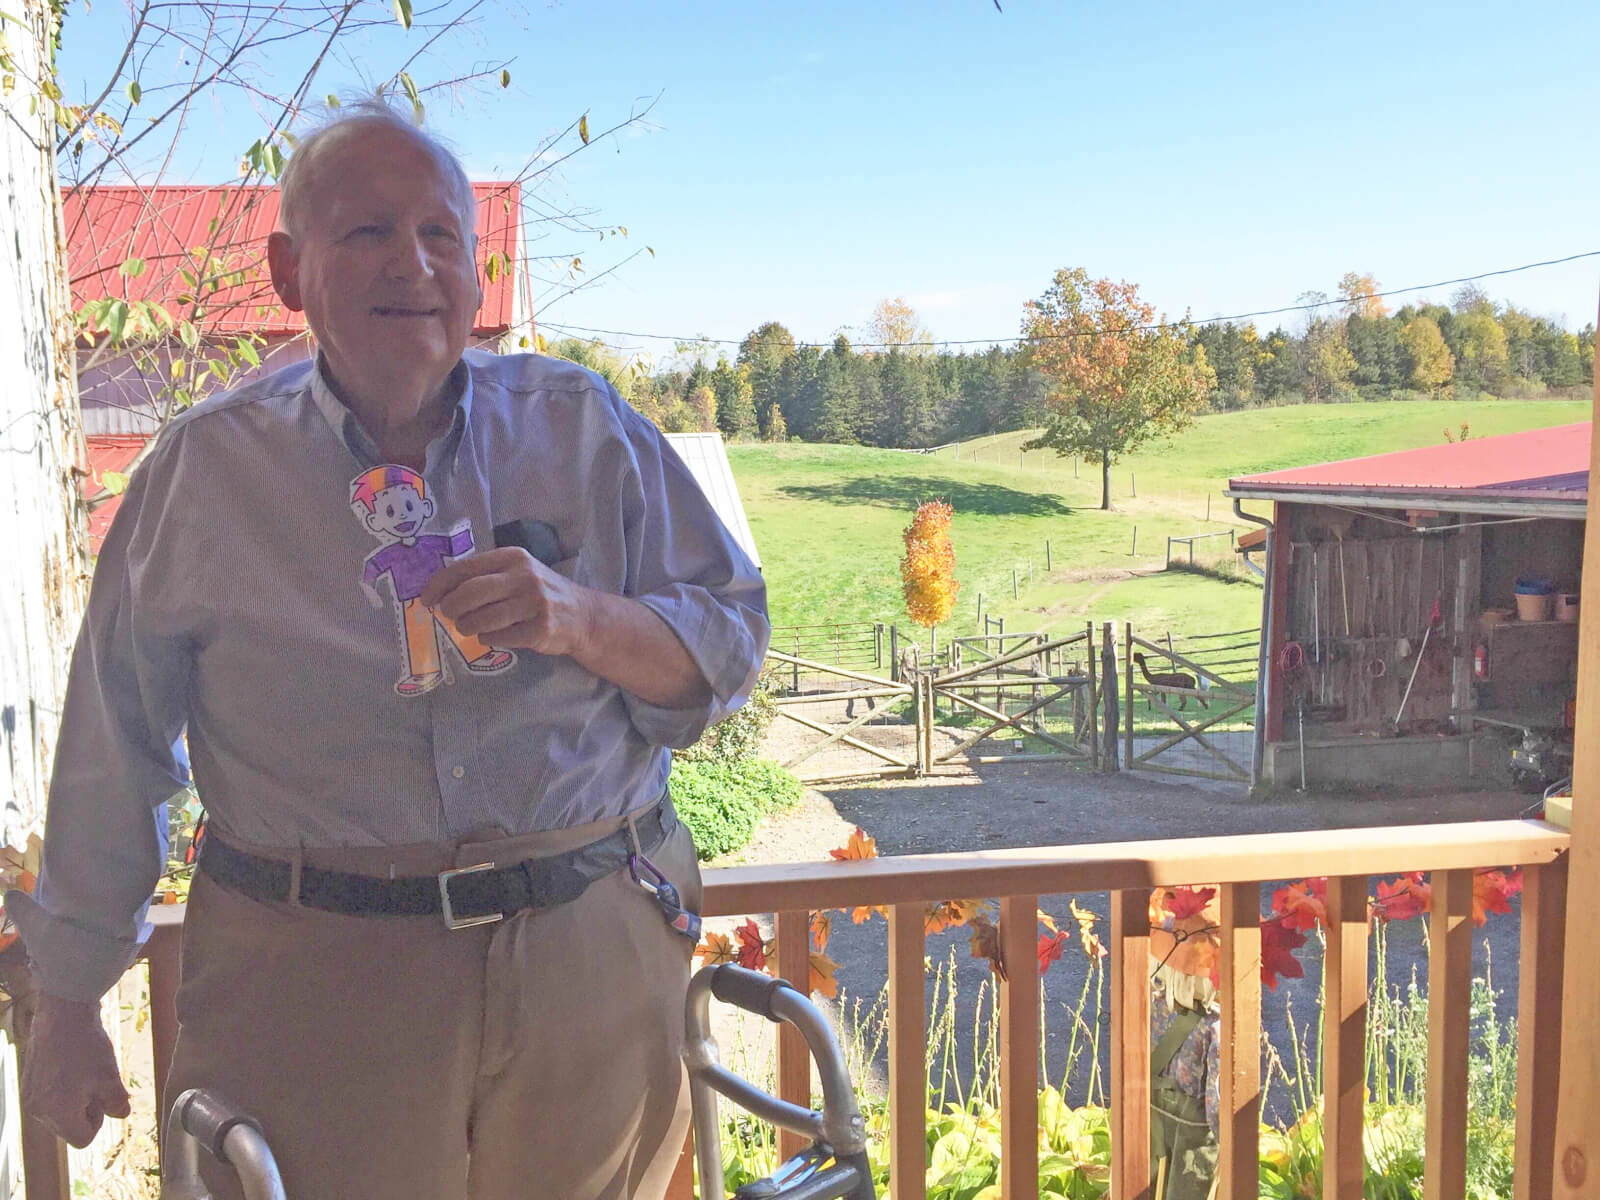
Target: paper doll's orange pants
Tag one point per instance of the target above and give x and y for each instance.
(422, 639)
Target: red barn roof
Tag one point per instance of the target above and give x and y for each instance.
(169, 227)
(1542, 468)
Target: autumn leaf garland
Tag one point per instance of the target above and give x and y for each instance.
(1297, 909)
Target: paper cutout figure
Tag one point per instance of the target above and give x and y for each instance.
(392, 503)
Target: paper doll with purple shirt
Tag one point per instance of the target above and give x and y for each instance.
(392, 502)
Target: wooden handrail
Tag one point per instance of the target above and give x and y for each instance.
(1127, 870)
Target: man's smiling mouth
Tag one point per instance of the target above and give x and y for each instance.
(389, 310)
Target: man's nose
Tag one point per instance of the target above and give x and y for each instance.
(410, 258)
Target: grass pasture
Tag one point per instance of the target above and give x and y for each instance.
(828, 519)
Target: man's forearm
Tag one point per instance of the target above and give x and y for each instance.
(628, 644)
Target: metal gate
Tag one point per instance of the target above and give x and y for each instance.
(1168, 680)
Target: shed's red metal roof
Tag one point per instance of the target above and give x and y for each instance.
(169, 228)
(1543, 464)
(107, 452)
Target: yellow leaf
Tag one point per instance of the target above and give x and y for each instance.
(583, 128)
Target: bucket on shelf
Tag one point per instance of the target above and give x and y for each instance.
(1566, 606)
(1535, 598)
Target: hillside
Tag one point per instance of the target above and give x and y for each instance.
(828, 518)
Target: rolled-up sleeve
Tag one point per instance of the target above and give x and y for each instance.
(685, 566)
(119, 759)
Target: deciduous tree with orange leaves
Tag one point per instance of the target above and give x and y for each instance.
(928, 570)
(1118, 377)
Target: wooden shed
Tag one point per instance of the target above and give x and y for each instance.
(1398, 652)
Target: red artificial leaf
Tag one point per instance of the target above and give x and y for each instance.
(1185, 902)
(1050, 947)
(860, 846)
(1404, 898)
(752, 947)
(1278, 944)
(1303, 905)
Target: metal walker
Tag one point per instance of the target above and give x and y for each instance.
(834, 1166)
(201, 1119)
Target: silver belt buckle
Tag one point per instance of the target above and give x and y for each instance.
(451, 921)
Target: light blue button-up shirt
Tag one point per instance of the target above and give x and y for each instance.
(228, 605)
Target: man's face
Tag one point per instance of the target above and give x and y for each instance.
(384, 267)
(398, 512)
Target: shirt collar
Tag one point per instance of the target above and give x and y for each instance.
(348, 428)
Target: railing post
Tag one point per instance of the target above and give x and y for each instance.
(794, 1060)
(163, 953)
(1130, 1044)
(1544, 931)
(1344, 1069)
(1019, 1049)
(894, 653)
(1449, 1010)
(44, 1156)
(908, 1077)
(1238, 1159)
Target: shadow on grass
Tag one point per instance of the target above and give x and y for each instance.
(907, 491)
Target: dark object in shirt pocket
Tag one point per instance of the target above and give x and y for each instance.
(536, 537)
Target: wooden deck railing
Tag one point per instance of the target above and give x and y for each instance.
(1128, 870)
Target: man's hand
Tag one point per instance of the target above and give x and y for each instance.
(69, 1076)
(510, 600)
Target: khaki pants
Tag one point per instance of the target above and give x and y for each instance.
(391, 1057)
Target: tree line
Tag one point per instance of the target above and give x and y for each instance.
(899, 389)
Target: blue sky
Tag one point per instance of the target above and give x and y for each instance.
(804, 161)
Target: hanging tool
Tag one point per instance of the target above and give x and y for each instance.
(1433, 619)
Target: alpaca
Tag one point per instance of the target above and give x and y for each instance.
(1173, 679)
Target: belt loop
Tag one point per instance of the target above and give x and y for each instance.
(296, 865)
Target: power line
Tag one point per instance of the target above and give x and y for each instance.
(1155, 325)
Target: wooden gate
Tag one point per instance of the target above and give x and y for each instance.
(1041, 672)
(1191, 710)
(837, 704)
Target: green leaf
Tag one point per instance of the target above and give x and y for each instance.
(134, 91)
(114, 482)
(652, 250)
(410, 86)
(583, 128)
(505, 79)
(218, 368)
(132, 267)
(116, 319)
(492, 267)
(247, 351)
(402, 13)
(332, 101)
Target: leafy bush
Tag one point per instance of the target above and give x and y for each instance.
(723, 802)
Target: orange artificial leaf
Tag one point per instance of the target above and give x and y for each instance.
(1093, 948)
(865, 911)
(821, 981)
(986, 943)
(1303, 905)
(1402, 899)
(1048, 921)
(947, 914)
(716, 949)
(1491, 893)
(860, 846)
(821, 929)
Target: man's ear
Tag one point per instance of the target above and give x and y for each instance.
(283, 261)
(371, 519)
(427, 508)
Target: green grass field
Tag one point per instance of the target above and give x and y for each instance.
(828, 519)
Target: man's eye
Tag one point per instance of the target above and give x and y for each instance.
(391, 510)
(410, 507)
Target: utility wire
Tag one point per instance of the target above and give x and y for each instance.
(1155, 325)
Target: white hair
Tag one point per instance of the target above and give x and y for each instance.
(323, 146)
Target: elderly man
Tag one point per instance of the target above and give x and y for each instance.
(425, 620)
